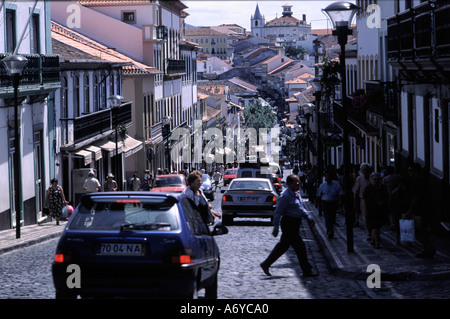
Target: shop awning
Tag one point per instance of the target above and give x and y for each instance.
(86, 155)
(110, 147)
(96, 152)
(131, 146)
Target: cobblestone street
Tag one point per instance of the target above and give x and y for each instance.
(25, 270)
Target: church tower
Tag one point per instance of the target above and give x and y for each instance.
(257, 24)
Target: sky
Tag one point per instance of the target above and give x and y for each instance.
(217, 12)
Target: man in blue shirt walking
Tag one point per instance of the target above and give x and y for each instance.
(291, 211)
(328, 196)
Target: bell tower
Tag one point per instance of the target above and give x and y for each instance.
(257, 24)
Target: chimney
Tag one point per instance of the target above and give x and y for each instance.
(304, 17)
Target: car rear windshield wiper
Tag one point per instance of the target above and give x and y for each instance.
(140, 226)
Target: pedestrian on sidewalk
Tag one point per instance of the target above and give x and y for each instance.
(290, 210)
(216, 177)
(375, 200)
(135, 183)
(110, 185)
(91, 184)
(55, 200)
(358, 188)
(418, 209)
(329, 194)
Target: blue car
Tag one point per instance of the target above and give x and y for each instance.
(207, 187)
(129, 244)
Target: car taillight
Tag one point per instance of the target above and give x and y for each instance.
(182, 257)
(62, 258)
(227, 198)
(272, 199)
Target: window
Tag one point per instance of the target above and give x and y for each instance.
(35, 32)
(10, 29)
(102, 101)
(64, 108)
(76, 97)
(129, 16)
(86, 94)
(96, 94)
(64, 98)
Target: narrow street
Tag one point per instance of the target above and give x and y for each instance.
(25, 273)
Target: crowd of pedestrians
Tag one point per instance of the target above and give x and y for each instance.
(380, 199)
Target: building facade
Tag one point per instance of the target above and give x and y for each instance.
(36, 107)
(151, 33)
(286, 29)
(417, 51)
(209, 40)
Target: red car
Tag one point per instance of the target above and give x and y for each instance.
(229, 175)
(276, 181)
(173, 183)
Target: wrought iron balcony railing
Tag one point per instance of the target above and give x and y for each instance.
(40, 70)
(420, 33)
(79, 129)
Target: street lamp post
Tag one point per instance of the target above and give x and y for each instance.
(115, 102)
(166, 137)
(14, 65)
(341, 15)
(318, 95)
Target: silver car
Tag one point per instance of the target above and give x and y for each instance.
(248, 197)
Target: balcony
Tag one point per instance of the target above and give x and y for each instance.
(419, 42)
(175, 68)
(381, 98)
(40, 71)
(85, 128)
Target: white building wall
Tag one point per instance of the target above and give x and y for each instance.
(102, 28)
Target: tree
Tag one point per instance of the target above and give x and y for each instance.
(330, 78)
(259, 116)
(293, 52)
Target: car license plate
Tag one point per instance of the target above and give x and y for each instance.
(248, 199)
(120, 249)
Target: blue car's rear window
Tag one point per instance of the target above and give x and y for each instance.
(124, 214)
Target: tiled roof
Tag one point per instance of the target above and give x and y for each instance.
(296, 80)
(210, 113)
(285, 21)
(203, 31)
(97, 3)
(247, 86)
(93, 48)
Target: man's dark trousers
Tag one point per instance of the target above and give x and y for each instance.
(329, 210)
(290, 236)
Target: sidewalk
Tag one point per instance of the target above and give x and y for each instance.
(29, 235)
(397, 262)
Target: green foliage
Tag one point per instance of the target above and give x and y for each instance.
(293, 52)
(330, 77)
(259, 116)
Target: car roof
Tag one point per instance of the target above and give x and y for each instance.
(251, 179)
(129, 195)
(169, 175)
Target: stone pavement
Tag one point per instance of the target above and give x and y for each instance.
(396, 262)
(29, 235)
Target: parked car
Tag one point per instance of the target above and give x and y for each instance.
(276, 181)
(207, 187)
(172, 183)
(137, 244)
(248, 197)
(229, 175)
